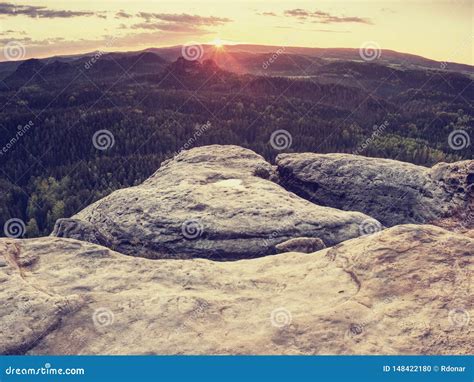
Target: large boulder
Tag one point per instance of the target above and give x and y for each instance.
(392, 192)
(405, 290)
(217, 202)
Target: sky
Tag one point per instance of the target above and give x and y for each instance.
(440, 30)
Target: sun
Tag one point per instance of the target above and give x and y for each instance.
(217, 42)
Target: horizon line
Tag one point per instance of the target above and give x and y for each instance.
(228, 43)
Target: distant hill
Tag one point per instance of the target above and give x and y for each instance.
(98, 66)
(343, 81)
(242, 53)
(246, 58)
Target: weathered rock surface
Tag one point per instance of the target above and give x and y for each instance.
(214, 202)
(392, 192)
(405, 290)
(301, 244)
(80, 230)
(27, 312)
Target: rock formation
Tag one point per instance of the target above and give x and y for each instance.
(402, 290)
(405, 290)
(390, 191)
(301, 244)
(80, 230)
(215, 201)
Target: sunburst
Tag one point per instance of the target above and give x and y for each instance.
(217, 42)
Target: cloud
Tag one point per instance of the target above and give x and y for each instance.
(24, 40)
(171, 27)
(184, 18)
(267, 14)
(181, 23)
(60, 46)
(137, 30)
(313, 30)
(300, 13)
(321, 17)
(10, 31)
(8, 9)
(123, 15)
(27, 41)
(164, 33)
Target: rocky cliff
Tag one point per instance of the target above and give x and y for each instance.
(406, 290)
(344, 283)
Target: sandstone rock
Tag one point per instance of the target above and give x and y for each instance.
(392, 192)
(405, 290)
(301, 244)
(214, 202)
(80, 230)
(27, 312)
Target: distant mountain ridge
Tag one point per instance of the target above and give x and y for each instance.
(99, 66)
(343, 83)
(246, 58)
(386, 56)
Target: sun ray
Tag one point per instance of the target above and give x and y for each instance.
(217, 42)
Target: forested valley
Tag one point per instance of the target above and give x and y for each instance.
(52, 166)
